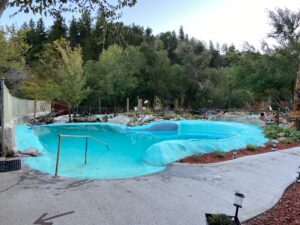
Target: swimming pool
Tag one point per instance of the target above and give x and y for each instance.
(133, 151)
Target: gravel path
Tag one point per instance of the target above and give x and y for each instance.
(179, 195)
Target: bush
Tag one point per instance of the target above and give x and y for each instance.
(220, 219)
(197, 157)
(272, 131)
(170, 115)
(219, 154)
(251, 148)
(289, 141)
(148, 111)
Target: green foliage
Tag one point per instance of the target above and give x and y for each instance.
(59, 75)
(251, 148)
(58, 29)
(219, 154)
(13, 48)
(289, 141)
(122, 61)
(220, 219)
(148, 111)
(46, 7)
(197, 157)
(273, 132)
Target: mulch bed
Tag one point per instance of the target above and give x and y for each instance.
(217, 157)
(285, 212)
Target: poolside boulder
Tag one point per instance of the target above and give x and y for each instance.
(121, 119)
(32, 152)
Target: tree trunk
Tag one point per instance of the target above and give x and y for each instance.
(3, 4)
(70, 110)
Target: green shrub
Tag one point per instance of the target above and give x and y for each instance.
(197, 157)
(220, 219)
(148, 111)
(289, 141)
(272, 131)
(170, 115)
(251, 148)
(219, 154)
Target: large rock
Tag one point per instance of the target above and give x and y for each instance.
(148, 118)
(121, 119)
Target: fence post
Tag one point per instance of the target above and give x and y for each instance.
(34, 108)
(3, 150)
(127, 105)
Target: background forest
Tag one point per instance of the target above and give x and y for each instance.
(97, 59)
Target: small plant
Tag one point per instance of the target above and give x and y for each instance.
(273, 132)
(157, 104)
(220, 219)
(251, 148)
(219, 154)
(197, 157)
(170, 115)
(148, 111)
(288, 141)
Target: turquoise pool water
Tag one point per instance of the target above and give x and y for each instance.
(133, 151)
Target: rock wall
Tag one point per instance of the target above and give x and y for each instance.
(9, 130)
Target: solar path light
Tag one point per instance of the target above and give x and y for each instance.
(238, 203)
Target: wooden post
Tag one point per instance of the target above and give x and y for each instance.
(127, 105)
(277, 118)
(2, 119)
(99, 102)
(140, 106)
(34, 109)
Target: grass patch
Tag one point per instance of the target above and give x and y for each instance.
(220, 219)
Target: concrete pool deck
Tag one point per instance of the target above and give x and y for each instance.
(177, 196)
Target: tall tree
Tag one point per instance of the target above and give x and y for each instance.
(60, 75)
(181, 35)
(73, 33)
(58, 29)
(36, 37)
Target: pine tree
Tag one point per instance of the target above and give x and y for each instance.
(181, 34)
(86, 40)
(40, 31)
(73, 33)
(58, 29)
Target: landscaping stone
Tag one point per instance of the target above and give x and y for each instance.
(281, 139)
(148, 118)
(281, 134)
(32, 152)
(121, 119)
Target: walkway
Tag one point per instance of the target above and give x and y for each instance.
(178, 196)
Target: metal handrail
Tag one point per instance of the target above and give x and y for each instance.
(60, 136)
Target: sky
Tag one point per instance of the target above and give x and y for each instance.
(223, 21)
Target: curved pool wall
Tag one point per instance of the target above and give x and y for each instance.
(133, 151)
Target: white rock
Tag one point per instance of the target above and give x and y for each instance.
(148, 118)
(274, 141)
(281, 139)
(121, 119)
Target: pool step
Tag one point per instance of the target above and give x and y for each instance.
(10, 165)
